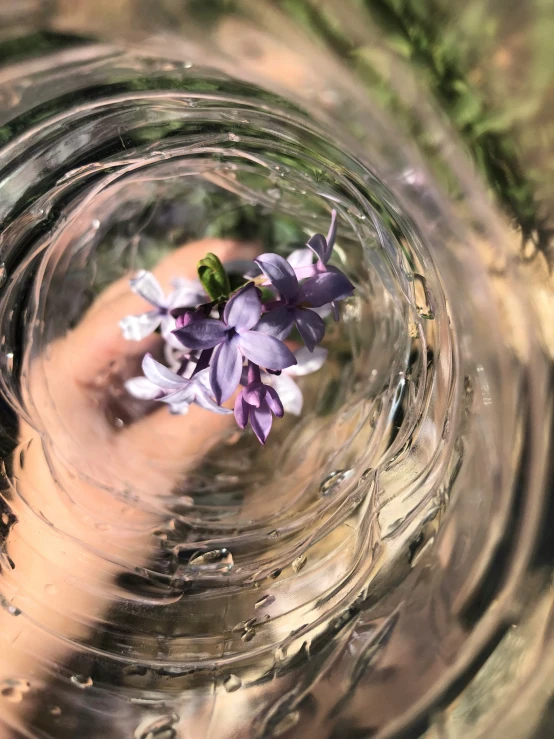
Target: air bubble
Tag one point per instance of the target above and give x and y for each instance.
(55, 711)
(332, 480)
(286, 724)
(233, 137)
(423, 298)
(3, 274)
(299, 563)
(274, 193)
(264, 601)
(232, 683)
(9, 361)
(81, 681)
(218, 560)
(158, 728)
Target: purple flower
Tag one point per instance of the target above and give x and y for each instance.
(160, 383)
(187, 293)
(256, 403)
(297, 299)
(285, 385)
(323, 249)
(233, 338)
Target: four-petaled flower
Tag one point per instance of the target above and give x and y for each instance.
(297, 299)
(160, 383)
(256, 403)
(187, 294)
(234, 339)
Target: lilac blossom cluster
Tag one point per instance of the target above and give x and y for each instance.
(216, 340)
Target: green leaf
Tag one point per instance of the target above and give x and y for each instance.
(213, 277)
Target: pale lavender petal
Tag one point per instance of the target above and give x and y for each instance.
(277, 322)
(203, 334)
(266, 351)
(280, 273)
(274, 402)
(205, 401)
(261, 420)
(244, 309)
(254, 394)
(147, 286)
(160, 375)
(308, 362)
(331, 234)
(226, 369)
(324, 288)
(136, 328)
(289, 392)
(310, 326)
(302, 273)
(179, 409)
(187, 295)
(318, 245)
(168, 326)
(300, 258)
(184, 395)
(173, 357)
(242, 411)
(143, 388)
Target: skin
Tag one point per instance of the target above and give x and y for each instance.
(73, 536)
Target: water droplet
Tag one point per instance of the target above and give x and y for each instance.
(81, 681)
(232, 683)
(286, 723)
(188, 65)
(5, 519)
(3, 274)
(157, 728)
(275, 574)
(299, 563)
(248, 635)
(9, 361)
(264, 601)
(218, 560)
(366, 474)
(333, 479)
(50, 589)
(273, 534)
(7, 606)
(233, 137)
(55, 711)
(95, 224)
(135, 670)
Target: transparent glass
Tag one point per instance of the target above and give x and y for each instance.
(383, 566)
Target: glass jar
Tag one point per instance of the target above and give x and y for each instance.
(383, 567)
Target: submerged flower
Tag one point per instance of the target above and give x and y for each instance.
(297, 299)
(257, 403)
(323, 249)
(234, 339)
(161, 383)
(285, 384)
(187, 293)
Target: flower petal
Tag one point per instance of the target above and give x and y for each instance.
(280, 274)
(205, 401)
(242, 411)
(289, 393)
(261, 420)
(203, 334)
(135, 328)
(184, 395)
(188, 294)
(310, 326)
(266, 351)
(143, 388)
(331, 234)
(274, 402)
(226, 369)
(244, 309)
(147, 286)
(324, 288)
(254, 394)
(318, 245)
(277, 322)
(308, 362)
(300, 258)
(161, 375)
